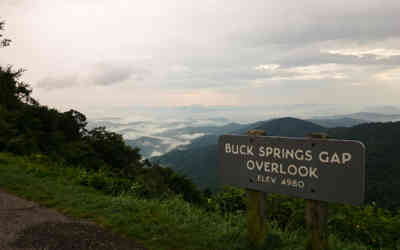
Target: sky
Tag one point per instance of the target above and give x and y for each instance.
(100, 54)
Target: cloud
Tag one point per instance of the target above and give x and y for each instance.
(208, 52)
(318, 21)
(356, 84)
(379, 53)
(58, 82)
(100, 74)
(155, 153)
(179, 69)
(267, 67)
(389, 75)
(191, 136)
(14, 2)
(106, 74)
(309, 72)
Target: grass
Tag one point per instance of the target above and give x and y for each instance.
(158, 224)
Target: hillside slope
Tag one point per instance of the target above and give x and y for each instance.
(337, 122)
(383, 171)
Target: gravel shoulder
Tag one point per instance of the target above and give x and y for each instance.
(25, 225)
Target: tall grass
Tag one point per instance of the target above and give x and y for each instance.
(167, 223)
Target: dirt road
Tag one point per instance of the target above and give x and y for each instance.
(25, 225)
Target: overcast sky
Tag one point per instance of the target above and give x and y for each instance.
(100, 53)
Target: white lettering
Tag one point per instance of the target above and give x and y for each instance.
(335, 158)
(277, 152)
(274, 167)
(346, 157)
(250, 165)
(302, 173)
(308, 155)
(268, 151)
(289, 152)
(281, 170)
(265, 179)
(241, 149)
(313, 173)
(324, 157)
(278, 168)
(301, 157)
(250, 150)
(259, 165)
(292, 170)
(227, 148)
(261, 151)
(267, 166)
(237, 149)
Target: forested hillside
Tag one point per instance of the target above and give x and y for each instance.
(337, 122)
(383, 170)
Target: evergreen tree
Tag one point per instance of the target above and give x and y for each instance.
(5, 41)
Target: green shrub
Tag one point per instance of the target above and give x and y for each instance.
(372, 225)
(23, 145)
(228, 200)
(286, 211)
(97, 180)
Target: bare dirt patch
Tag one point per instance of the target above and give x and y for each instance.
(26, 225)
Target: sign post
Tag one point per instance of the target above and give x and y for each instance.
(256, 227)
(316, 217)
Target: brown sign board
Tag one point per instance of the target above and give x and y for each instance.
(317, 169)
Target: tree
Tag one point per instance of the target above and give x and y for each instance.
(111, 148)
(74, 124)
(5, 41)
(12, 91)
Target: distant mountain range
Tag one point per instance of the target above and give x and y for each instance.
(337, 122)
(360, 117)
(156, 138)
(211, 133)
(199, 159)
(382, 109)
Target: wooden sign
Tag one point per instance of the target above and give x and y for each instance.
(317, 169)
